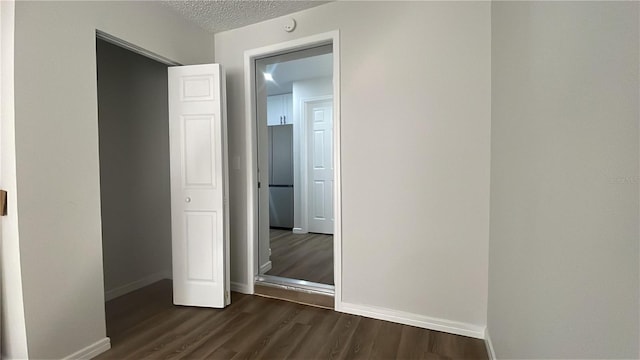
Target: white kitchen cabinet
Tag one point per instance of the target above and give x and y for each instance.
(280, 109)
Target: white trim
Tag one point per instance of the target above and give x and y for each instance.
(487, 342)
(91, 351)
(241, 288)
(337, 175)
(298, 231)
(250, 56)
(251, 166)
(134, 48)
(135, 285)
(14, 330)
(426, 322)
(265, 267)
(225, 178)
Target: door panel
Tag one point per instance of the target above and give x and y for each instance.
(318, 200)
(200, 229)
(197, 88)
(198, 165)
(318, 150)
(321, 170)
(199, 210)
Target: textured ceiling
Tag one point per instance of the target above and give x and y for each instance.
(221, 15)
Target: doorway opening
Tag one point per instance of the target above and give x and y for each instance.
(133, 134)
(294, 200)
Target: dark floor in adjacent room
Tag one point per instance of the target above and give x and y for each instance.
(145, 325)
(302, 256)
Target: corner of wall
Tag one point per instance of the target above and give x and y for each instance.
(92, 350)
(487, 342)
(240, 287)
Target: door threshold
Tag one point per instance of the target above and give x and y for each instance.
(298, 291)
(295, 284)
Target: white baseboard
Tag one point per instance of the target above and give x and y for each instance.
(240, 287)
(401, 317)
(266, 267)
(298, 231)
(91, 351)
(135, 285)
(489, 345)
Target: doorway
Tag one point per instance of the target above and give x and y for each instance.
(293, 107)
(134, 170)
(163, 181)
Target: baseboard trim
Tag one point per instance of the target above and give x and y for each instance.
(240, 287)
(298, 231)
(135, 285)
(489, 345)
(91, 351)
(266, 267)
(421, 321)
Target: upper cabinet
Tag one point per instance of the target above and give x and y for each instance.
(280, 109)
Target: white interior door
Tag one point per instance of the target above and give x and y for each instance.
(199, 206)
(319, 115)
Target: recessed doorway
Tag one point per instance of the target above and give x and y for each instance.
(294, 198)
(295, 163)
(133, 131)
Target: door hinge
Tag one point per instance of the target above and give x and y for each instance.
(258, 184)
(226, 296)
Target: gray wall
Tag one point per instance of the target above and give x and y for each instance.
(135, 192)
(563, 280)
(416, 102)
(57, 155)
(415, 151)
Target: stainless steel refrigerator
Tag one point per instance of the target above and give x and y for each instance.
(281, 176)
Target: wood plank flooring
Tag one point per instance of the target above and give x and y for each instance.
(302, 256)
(145, 325)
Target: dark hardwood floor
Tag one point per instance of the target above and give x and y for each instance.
(145, 325)
(302, 256)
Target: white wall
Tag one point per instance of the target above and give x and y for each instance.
(14, 338)
(415, 150)
(564, 180)
(57, 156)
(133, 124)
(303, 90)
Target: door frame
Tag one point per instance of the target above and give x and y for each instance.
(250, 56)
(134, 48)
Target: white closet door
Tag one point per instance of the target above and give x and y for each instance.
(320, 144)
(199, 206)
